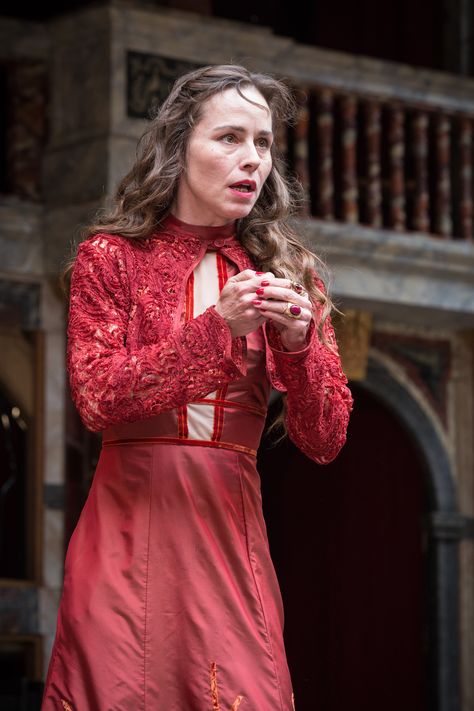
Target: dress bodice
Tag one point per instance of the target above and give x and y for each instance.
(231, 416)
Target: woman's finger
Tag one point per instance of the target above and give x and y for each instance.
(295, 326)
(276, 310)
(280, 294)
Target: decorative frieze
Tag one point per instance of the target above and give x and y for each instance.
(149, 80)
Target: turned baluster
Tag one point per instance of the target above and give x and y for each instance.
(350, 210)
(443, 220)
(324, 168)
(301, 153)
(421, 203)
(372, 128)
(396, 155)
(465, 158)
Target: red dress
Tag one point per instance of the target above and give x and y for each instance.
(170, 599)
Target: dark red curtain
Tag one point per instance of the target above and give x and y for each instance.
(346, 539)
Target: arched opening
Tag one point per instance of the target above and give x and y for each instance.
(351, 554)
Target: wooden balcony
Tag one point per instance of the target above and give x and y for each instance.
(393, 162)
(385, 153)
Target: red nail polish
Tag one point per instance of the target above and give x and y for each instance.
(259, 273)
(260, 291)
(256, 302)
(265, 283)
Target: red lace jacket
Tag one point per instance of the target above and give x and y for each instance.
(130, 356)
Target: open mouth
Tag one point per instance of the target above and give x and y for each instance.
(244, 186)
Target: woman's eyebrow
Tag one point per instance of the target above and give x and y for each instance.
(241, 129)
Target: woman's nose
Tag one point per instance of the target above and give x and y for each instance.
(250, 157)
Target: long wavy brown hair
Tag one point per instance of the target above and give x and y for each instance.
(147, 192)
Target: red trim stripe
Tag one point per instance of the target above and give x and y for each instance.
(176, 440)
(188, 315)
(182, 421)
(189, 311)
(222, 276)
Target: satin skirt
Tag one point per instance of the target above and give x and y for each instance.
(170, 599)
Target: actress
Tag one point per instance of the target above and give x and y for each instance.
(189, 300)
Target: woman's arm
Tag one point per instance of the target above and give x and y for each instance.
(111, 383)
(318, 399)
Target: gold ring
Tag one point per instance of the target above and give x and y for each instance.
(292, 310)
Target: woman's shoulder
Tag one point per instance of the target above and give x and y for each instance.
(104, 242)
(103, 264)
(111, 248)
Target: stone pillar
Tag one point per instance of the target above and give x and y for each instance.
(463, 414)
(77, 156)
(75, 180)
(52, 321)
(445, 531)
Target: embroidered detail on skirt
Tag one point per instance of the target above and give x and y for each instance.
(66, 706)
(215, 692)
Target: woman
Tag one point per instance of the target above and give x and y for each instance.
(186, 307)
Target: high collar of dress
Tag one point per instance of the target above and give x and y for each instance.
(219, 236)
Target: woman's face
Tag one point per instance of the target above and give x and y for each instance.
(227, 160)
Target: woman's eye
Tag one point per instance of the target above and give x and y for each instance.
(263, 143)
(228, 138)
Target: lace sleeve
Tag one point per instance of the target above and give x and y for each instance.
(112, 383)
(318, 399)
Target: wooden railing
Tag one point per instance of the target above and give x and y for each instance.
(384, 162)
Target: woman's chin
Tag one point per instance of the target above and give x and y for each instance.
(237, 212)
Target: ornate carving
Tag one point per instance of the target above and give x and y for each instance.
(354, 330)
(149, 80)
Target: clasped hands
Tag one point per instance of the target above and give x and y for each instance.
(250, 298)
